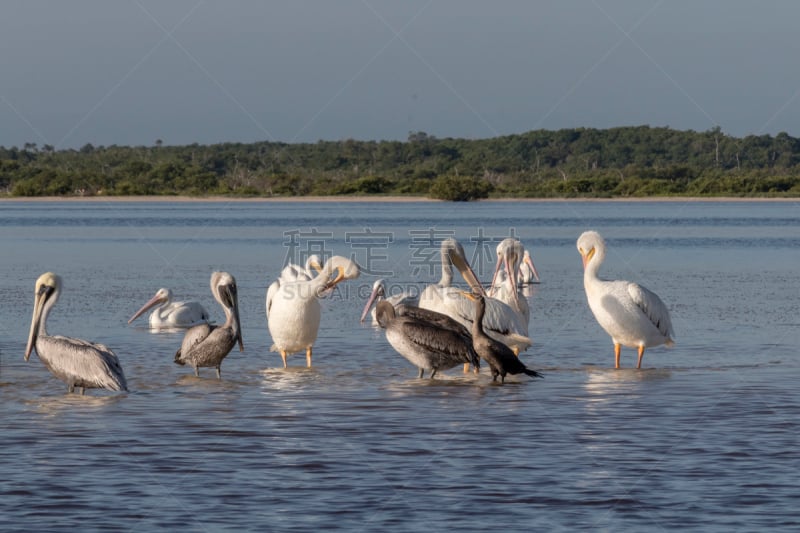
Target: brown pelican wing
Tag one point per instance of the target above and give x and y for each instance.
(81, 363)
(433, 338)
(193, 336)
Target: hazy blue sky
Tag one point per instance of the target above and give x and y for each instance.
(133, 71)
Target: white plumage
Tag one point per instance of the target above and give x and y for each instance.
(632, 315)
(293, 309)
(169, 314)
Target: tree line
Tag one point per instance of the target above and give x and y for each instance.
(578, 162)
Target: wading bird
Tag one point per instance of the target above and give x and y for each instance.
(632, 315)
(76, 362)
(207, 345)
(501, 359)
(294, 311)
(428, 340)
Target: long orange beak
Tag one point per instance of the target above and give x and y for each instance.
(152, 302)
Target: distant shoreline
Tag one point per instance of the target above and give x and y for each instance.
(374, 199)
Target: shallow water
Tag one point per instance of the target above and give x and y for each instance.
(705, 436)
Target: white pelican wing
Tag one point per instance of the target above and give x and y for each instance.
(652, 306)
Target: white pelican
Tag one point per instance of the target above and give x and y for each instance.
(501, 359)
(206, 345)
(293, 309)
(379, 293)
(171, 314)
(632, 315)
(527, 270)
(436, 344)
(76, 362)
(504, 281)
(292, 273)
(500, 321)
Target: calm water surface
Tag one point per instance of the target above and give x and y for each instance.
(705, 437)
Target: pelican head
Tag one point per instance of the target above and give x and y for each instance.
(344, 269)
(223, 287)
(161, 297)
(378, 291)
(313, 261)
(589, 244)
(46, 292)
(526, 258)
(453, 252)
(509, 256)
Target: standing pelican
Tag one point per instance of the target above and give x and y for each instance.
(292, 273)
(504, 282)
(206, 345)
(632, 315)
(171, 314)
(500, 321)
(437, 344)
(527, 270)
(293, 309)
(379, 293)
(76, 362)
(501, 359)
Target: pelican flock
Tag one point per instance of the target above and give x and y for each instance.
(76, 362)
(206, 345)
(169, 314)
(632, 315)
(444, 328)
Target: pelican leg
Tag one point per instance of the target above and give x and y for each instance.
(617, 349)
(83, 391)
(196, 372)
(308, 357)
(641, 353)
(433, 373)
(219, 372)
(283, 356)
(70, 388)
(466, 367)
(421, 372)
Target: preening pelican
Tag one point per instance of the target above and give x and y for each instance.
(504, 281)
(76, 362)
(632, 315)
(293, 309)
(171, 314)
(437, 344)
(292, 273)
(206, 345)
(527, 270)
(500, 321)
(379, 294)
(501, 359)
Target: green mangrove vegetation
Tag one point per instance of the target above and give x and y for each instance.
(581, 162)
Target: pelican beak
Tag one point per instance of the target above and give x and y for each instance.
(335, 281)
(512, 280)
(527, 259)
(468, 274)
(233, 297)
(587, 257)
(41, 297)
(152, 302)
(469, 295)
(497, 268)
(372, 297)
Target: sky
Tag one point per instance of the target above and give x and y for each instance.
(130, 72)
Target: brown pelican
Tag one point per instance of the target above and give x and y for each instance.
(293, 309)
(429, 340)
(171, 314)
(501, 359)
(76, 362)
(379, 293)
(632, 315)
(206, 345)
(500, 321)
